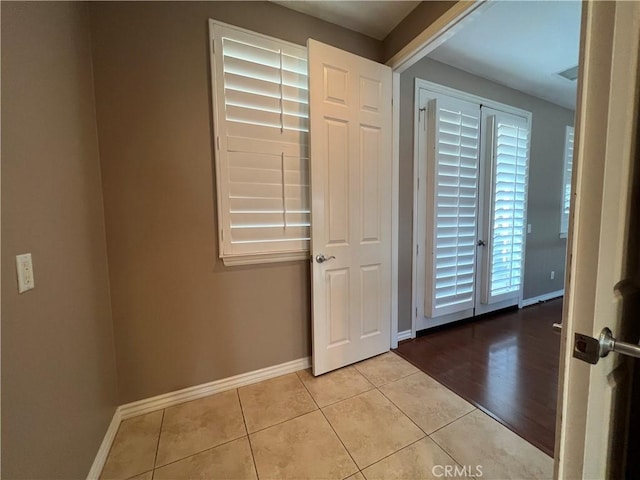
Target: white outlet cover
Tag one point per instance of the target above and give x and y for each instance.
(24, 267)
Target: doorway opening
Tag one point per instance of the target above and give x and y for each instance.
(495, 59)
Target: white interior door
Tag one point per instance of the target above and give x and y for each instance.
(592, 412)
(351, 175)
(501, 238)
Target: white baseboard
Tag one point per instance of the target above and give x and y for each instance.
(542, 298)
(191, 393)
(406, 335)
(166, 400)
(105, 446)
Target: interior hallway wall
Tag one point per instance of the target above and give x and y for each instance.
(58, 366)
(545, 250)
(181, 317)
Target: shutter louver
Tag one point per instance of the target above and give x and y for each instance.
(261, 103)
(508, 207)
(453, 169)
(566, 180)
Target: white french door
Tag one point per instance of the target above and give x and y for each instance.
(471, 195)
(452, 205)
(351, 175)
(505, 163)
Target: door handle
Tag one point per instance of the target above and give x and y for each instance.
(557, 327)
(590, 350)
(320, 258)
(608, 343)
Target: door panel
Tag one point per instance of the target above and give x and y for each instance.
(351, 172)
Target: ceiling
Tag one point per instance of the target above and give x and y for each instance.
(522, 45)
(373, 18)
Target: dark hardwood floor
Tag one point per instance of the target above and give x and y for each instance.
(504, 363)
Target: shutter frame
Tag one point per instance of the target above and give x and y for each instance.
(453, 205)
(262, 160)
(567, 169)
(506, 267)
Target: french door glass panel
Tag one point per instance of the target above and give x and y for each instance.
(507, 138)
(453, 127)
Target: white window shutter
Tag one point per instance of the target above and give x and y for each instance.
(566, 181)
(509, 137)
(260, 96)
(453, 129)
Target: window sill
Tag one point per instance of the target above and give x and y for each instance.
(237, 260)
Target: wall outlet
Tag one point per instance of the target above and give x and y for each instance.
(24, 267)
(553, 274)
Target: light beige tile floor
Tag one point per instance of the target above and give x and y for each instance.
(381, 418)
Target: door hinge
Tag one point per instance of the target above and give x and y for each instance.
(218, 142)
(418, 183)
(222, 236)
(417, 250)
(213, 46)
(416, 311)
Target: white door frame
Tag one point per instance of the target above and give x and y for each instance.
(431, 38)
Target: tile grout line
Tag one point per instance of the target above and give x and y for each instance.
(244, 420)
(393, 453)
(452, 421)
(341, 443)
(373, 387)
(282, 421)
(333, 429)
(155, 459)
(199, 452)
(450, 455)
(402, 411)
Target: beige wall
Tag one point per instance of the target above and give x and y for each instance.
(181, 318)
(412, 25)
(58, 369)
(545, 250)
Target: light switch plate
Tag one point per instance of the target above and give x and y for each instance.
(24, 266)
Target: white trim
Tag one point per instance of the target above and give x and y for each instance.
(395, 207)
(105, 446)
(192, 393)
(170, 399)
(231, 260)
(542, 298)
(437, 33)
(405, 335)
(469, 97)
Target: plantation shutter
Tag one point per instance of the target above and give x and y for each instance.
(566, 181)
(262, 163)
(509, 137)
(453, 131)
